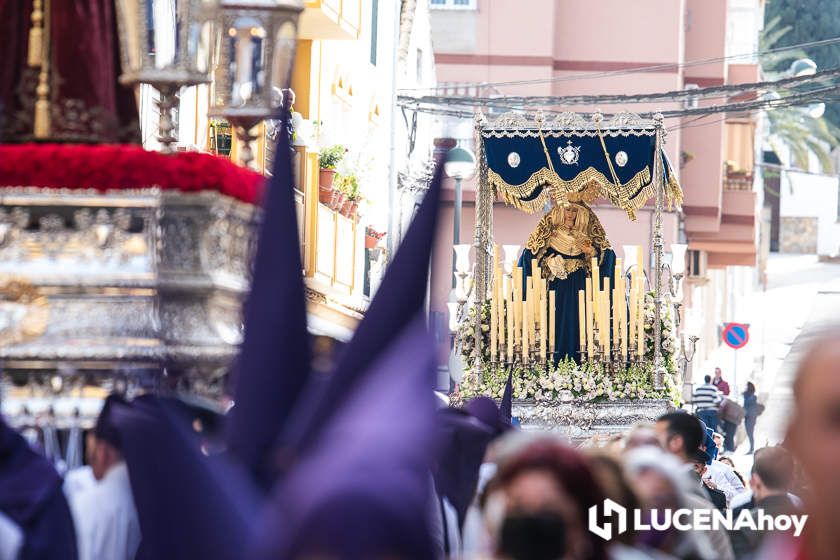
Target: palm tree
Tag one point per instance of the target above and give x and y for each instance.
(794, 127)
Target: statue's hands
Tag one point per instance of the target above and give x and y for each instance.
(588, 249)
(557, 266)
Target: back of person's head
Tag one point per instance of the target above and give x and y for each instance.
(685, 427)
(750, 390)
(707, 378)
(609, 473)
(775, 467)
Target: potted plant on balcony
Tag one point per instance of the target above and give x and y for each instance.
(372, 237)
(328, 159)
(355, 197)
(348, 184)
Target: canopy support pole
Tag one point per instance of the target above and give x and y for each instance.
(658, 244)
(483, 235)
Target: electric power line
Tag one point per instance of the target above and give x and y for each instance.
(802, 98)
(669, 96)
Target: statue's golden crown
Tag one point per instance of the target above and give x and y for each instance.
(588, 194)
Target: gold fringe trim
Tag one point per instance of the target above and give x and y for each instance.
(674, 192)
(559, 189)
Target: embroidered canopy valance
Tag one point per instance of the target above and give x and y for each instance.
(565, 156)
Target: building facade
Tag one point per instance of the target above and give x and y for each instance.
(351, 57)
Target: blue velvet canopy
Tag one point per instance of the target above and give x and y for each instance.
(530, 162)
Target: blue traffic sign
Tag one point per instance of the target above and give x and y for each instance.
(736, 335)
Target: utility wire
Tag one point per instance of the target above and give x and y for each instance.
(821, 94)
(675, 95)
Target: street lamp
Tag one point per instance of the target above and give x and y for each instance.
(803, 67)
(460, 165)
(255, 50)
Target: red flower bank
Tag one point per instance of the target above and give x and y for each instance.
(116, 167)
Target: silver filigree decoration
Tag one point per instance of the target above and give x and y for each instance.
(626, 119)
(569, 155)
(511, 120)
(513, 159)
(567, 120)
(581, 420)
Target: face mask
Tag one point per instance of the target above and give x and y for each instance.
(540, 536)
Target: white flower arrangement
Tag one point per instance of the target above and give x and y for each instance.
(587, 383)
(584, 383)
(668, 332)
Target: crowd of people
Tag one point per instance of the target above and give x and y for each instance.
(535, 493)
(714, 406)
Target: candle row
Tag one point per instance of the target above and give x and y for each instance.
(521, 314)
(611, 322)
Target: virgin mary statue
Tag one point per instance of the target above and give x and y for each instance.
(563, 244)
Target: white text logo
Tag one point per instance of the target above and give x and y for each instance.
(689, 520)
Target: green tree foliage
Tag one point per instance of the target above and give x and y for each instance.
(793, 126)
(806, 21)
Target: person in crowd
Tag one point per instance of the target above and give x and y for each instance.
(537, 505)
(37, 524)
(104, 513)
(706, 399)
(752, 409)
(641, 435)
(727, 460)
(720, 475)
(730, 416)
(609, 473)
(716, 496)
(719, 382)
(660, 483)
(814, 439)
(681, 435)
(772, 476)
(717, 437)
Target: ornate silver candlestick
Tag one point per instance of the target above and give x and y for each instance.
(256, 46)
(166, 50)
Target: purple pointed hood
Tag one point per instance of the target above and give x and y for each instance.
(31, 496)
(463, 441)
(189, 505)
(273, 365)
(399, 299)
(362, 489)
(506, 406)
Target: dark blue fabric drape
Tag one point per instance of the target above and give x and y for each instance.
(566, 328)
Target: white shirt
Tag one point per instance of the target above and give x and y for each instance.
(105, 517)
(11, 538)
(78, 480)
(453, 532)
(477, 542)
(725, 479)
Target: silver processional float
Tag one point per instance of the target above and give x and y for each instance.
(586, 357)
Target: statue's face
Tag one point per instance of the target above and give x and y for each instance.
(570, 216)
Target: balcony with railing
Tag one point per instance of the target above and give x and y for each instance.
(738, 182)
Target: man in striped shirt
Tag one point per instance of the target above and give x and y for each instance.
(706, 399)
